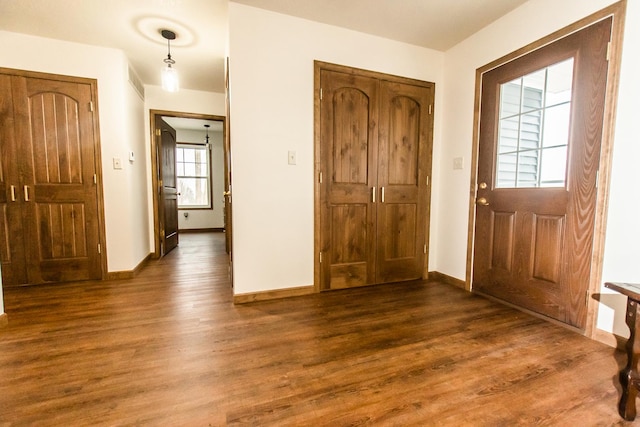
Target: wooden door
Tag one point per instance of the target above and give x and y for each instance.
(349, 154)
(534, 226)
(12, 252)
(404, 167)
(50, 215)
(168, 184)
(375, 159)
(228, 223)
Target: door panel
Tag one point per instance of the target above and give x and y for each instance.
(168, 186)
(12, 253)
(533, 239)
(404, 165)
(59, 194)
(349, 151)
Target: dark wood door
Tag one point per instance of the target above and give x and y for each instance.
(375, 155)
(51, 217)
(168, 183)
(12, 251)
(536, 207)
(228, 222)
(404, 166)
(349, 154)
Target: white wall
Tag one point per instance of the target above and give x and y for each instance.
(622, 256)
(120, 131)
(491, 43)
(271, 87)
(206, 218)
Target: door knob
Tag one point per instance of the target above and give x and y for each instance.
(226, 193)
(482, 201)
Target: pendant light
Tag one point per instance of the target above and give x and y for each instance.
(169, 74)
(206, 138)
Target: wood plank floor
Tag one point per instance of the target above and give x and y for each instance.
(169, 348)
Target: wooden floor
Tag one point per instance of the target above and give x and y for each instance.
(169, 348)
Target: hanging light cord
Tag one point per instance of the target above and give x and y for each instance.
(168, 59)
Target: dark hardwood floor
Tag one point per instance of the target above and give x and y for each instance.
(169, 348)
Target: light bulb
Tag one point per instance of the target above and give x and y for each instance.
(170, 81)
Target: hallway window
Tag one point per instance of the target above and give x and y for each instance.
(193, 171)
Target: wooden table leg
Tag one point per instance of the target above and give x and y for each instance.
(629, 375)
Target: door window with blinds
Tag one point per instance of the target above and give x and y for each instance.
(193, 170)
(535, 112)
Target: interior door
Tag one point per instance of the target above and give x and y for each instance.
(168, 184)
(404, 167)
(375, 161)
(12, 255)
(55, 189)
(228, 223)
(540, 133)
(349, 153)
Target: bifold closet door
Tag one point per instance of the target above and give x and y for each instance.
(375, 161)
(404, 162)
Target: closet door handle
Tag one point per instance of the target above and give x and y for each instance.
(373, 195)
(13, 193)
(26, 193)
(382, 196)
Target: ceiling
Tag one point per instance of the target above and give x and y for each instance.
(193, 124)
(202, 25)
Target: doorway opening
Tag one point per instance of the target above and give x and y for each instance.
(190, 131)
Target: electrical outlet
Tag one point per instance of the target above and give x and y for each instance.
(117, 163)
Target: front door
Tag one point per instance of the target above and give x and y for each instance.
(540, 133)
(168, 184)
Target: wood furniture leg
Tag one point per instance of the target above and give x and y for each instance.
(629, 375)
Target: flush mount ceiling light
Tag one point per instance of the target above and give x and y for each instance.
(170, 81)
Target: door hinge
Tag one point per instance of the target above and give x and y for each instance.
(320, 257)
(586, 300)
(320, 177)
(430, 109)
(158, 132)
(95, 178)
(91, 106)
(425, 248)
(320, 94)
(609, 51)
(99, 248)
(427, 180)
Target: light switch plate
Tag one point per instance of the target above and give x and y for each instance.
(458, 162)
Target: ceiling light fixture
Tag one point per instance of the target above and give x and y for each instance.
(170, 81)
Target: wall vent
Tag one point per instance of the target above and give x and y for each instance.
(136, 82)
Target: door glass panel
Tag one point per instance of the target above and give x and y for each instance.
(533, 132)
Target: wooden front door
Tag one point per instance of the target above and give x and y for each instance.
(375, 159)
(540, 134)
(168, 184)
(51, 216)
